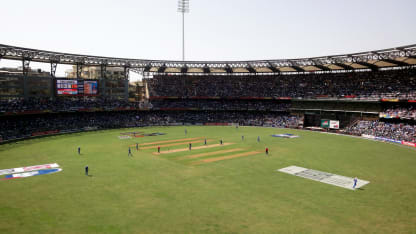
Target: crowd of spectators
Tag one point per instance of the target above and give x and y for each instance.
(394, 131)
(399, 113)
(64, 104)
(75, 104)
(365, 85)
(233, 96)
(262, 105)
(25, 126)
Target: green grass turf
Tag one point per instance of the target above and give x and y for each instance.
(157, 194)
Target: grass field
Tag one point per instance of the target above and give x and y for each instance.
(203, 191)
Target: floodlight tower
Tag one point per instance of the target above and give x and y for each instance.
(183, 7)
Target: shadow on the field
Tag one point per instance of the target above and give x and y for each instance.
(361, 189)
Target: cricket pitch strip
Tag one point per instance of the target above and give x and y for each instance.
(193, 148)
(208, 160)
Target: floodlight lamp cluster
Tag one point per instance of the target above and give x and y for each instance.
(183, 6)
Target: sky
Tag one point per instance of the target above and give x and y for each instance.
(214, 29)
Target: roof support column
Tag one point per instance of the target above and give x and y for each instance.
(25, 67)
(79, 70)
(126, 72)
(103, 70)
(54, 65)
(103, 80)
(126, 89)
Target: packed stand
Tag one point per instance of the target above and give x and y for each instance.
(400, 131)
(399, 112)
(366, 85)
(26, 126)
(263, 105)
(68, 105)
(60, 105)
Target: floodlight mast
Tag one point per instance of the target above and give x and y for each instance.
(183, 7)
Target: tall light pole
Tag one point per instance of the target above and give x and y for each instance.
(183, 7)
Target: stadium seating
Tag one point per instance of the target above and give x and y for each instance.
(364, 85)
(255, 100)
(62, 105)
(394, 131)
(225, 104)
(399, 112)
(24, 126)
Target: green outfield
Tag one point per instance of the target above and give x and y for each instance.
(213, 188)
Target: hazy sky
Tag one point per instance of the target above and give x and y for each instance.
(215, 29)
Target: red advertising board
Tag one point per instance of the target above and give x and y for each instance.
(409, 143)
(217, 124)
(45, 133)
(350, 96)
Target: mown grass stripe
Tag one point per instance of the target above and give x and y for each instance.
(168, 141)
(208, 160)
(173, 144)
(209, 154)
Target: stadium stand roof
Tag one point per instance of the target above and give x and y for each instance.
(402, 56)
